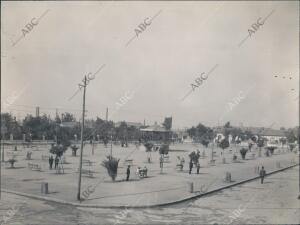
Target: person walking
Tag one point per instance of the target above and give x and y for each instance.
(262, 174)
(161, 163)
(51, 162)
(198, 167)
(191, 167)
(56, 162)
(128, 172)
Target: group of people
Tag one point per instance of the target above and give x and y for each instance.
(197, 166)
(51, 160)
(139, 172)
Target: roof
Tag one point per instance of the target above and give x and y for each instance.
(155, 128)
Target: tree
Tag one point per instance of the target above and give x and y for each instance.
(227, 125)
(168, 123)
(282, 141)
(291, 137)
(111, 164)
(201, 132)
(12, 126)
(224, 144)
(271, 149)
(68, 117)
(243, 152)
(205, 142)
(164, 149)
(57, 150)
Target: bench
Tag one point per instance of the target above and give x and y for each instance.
(128, 162)
(179, 167)
(212, 162)
(89, 173)
(87, 162)
(35, 167)
(45, 157)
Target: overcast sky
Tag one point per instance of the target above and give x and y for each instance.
(159, 65)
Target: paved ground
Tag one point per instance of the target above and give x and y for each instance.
(157, 188)
(274, 202)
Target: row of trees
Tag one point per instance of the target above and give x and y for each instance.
(203, 134)
(35, 128)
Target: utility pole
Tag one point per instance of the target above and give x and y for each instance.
(85, 83)
(106, 114)
(111, 146)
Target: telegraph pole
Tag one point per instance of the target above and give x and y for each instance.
(85, 83)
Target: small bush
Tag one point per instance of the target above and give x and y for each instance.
(271, 149)
(148, 146)
(164, 149)
(111, 164)
(243, 152)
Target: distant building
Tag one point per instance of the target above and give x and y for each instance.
(155, 133)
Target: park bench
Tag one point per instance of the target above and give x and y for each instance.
(45, 157)
(35, 167)
(87, 162)
(179, 167)
(212, 162)
(88, 173)
(128, 162)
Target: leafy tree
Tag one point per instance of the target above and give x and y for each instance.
(271, 149)
(243, 152)
(57, 150)
(282, 141)
(227, 125)
(201, 132)
(164, 149)
(224, 144)
(12, 127)
(291, 137)
(111, 164)
(68, 117)
(168, 123)
(205, 142)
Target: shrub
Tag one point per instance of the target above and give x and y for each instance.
(243, 152)
(164, 149)
(58, 150)
(205, 142)
(111, 164)
(148, 146)
(292, 146)
(271, 149)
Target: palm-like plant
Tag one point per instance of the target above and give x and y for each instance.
(243, 152)
(111, 164)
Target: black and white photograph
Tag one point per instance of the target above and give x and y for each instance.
(149, 112)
